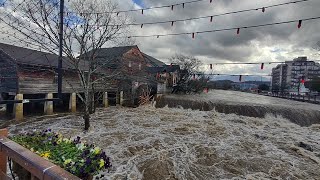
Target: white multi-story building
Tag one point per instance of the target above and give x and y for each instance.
(288, 76)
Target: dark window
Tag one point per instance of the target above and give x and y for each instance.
(55, 79)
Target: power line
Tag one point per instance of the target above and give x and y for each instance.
(259, 63)
(247, 63)
(247, 75)
(217, 74)
(225, 29)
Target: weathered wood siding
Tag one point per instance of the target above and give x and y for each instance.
(40, 80)
(138, 70)
(8, 74)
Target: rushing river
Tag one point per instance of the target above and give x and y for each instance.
(246, 104)
(166, 143)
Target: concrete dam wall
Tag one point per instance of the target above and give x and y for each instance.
(245, 104)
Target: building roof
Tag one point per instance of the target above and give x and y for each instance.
(153, 61)
(33, 57)
(113, 52)
(165, 68)
(27, 56)
(118, 52)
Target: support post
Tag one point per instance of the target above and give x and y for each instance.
(73, 103)
(9, 109)
(105, 100)
(18, 108)
(3, 157)
(121, 98)
(60, 48)
(117, 98)
(48, 105)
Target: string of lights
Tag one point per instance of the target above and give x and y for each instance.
(218, 74)
(32, 38)
(238, 31)
(249, 63)
(194, 76)
(142, 10)
(222, 74)
(32, 32)
(227, 29)
(263, 8)
(253, 63)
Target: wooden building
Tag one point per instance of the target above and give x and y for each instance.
(31, 74)
(131, 68)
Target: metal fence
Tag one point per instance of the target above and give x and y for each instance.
(315, 99)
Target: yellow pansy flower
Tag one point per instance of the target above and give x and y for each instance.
(67, 161)
(60, 136)
(45, 155)
(96, 150)
(101, 163)
(67, 140)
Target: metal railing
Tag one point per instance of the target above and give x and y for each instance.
(27, 101)
(315, 99)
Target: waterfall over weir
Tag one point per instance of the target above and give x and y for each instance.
(245, 104)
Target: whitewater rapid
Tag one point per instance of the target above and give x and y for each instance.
(172, 143)
(246, 104)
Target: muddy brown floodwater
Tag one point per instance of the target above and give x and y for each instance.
(167, 143)
(245, 104)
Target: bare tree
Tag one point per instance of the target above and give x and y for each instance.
(192, 80)
(88, 26)
(187, 63)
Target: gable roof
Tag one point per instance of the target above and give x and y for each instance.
(153, 61)
(165, 68)
(113, 52)
(33, 57)
(4, 57)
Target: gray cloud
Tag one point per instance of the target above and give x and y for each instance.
(250, 45)
(272, 43)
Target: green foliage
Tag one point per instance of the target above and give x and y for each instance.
(74, 156)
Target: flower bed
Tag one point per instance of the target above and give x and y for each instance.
(77, 157)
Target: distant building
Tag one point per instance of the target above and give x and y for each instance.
(245, 86)
(290, 76)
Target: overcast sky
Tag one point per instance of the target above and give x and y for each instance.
(273, 43)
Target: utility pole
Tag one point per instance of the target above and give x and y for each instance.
(60, 49)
